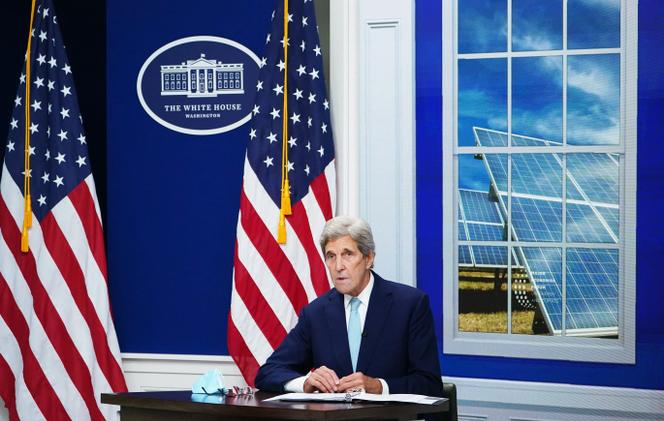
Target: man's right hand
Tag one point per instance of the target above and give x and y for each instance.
(323, 380)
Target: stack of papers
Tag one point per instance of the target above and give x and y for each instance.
(360, 396)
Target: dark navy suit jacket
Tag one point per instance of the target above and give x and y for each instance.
(398, 342)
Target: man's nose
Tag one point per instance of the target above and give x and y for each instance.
(339, 264)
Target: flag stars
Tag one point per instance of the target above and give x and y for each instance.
(298, 93)
(323, 128)
(45, 178)
(252, 134)
(301, 70)
(309, 121)
(259, 85)
(41, 59)
(62, 135)
(66, 90)
(81, 139)
(292, 141)
(313, 74)
(64, 112)
(308, 146)
(34, 128)
(17, 101)
(53, 62)
(31, 150)
(275, 113)
(290, 17)
(287, 42)
(51, 85)
(317, 50)
(14, 123)
(312, 97)
(267, 39)
(45, 12)
(47, 154)
(306, 169)
(278, 89)
(302, 45)
(42, 200)
(39, 82)
(29, 173)
(268, 161)
(60, 158)
(10, 146)
(295, 118)
(290, 166)
(66, 69)
(326, 104)
(36, 105)
(48, 131)
(262, 63)
(281, 65)
(304, 21)
(256, 110)
(81, 161)
(58, 181)
(50, 108)
(321, 151)
(272, 137)
(42, 35)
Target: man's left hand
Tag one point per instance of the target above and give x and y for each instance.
(360, 381)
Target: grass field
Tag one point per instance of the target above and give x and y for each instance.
(482, 308)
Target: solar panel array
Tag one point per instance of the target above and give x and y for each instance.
(592, 216)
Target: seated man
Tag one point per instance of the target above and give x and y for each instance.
(366, 333)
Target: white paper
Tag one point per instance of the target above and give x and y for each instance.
(351, 397)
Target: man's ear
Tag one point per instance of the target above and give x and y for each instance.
(370, 259)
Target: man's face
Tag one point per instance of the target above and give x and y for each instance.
(348, 268)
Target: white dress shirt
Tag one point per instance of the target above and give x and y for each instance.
(297, 384)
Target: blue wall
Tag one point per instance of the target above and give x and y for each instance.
(648, 372)
(172, 198)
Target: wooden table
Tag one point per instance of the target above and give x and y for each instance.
(182, 405)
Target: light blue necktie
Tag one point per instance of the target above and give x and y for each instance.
(354, 331)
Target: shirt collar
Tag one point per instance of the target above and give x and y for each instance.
(364, 295)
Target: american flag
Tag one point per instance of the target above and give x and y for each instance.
(271, 281)
(58, 348)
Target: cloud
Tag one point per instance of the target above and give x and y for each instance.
(536, 42)
(594, 76)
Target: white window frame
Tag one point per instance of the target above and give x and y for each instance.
(620, 350)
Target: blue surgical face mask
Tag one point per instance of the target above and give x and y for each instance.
(210, 383)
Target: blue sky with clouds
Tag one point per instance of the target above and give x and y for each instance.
(593, 85)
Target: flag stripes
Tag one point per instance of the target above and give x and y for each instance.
(46, 397)
(271, 253)
(47, 314)
(40, 281)
(81, 198)
(265, 318)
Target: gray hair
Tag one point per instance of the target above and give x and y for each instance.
(358, 229)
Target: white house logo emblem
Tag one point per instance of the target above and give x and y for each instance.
(198, 85)
(202, 78)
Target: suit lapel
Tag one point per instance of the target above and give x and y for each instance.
(378, 311)
(336, 320)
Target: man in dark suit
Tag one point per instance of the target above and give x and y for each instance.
(366, 333)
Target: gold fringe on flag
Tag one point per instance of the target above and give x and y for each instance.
(27, 211)
(285, 186)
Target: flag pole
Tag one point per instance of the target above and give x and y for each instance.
(285, 186)
(27, 211)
